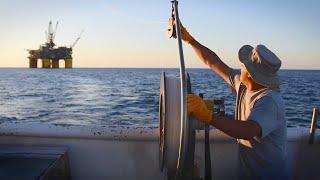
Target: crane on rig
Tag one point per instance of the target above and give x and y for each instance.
(49, 54)
(51, 34)
(77, 40)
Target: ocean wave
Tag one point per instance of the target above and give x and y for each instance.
(128, 96)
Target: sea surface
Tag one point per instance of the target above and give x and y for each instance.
(107, 96)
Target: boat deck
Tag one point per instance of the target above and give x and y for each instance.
(33, 162)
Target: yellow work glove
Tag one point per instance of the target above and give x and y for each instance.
(185, 35)
(198, 109)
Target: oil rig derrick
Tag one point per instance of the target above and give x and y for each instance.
(49, 54)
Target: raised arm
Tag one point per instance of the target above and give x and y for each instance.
(207, 56)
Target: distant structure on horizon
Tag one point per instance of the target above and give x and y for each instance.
(49, 54)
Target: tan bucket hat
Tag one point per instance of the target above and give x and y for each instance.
(262, 65)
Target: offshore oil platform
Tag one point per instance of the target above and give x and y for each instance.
(49, 54)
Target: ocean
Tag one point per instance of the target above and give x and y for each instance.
(111, 96)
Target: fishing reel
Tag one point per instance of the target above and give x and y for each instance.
(176, 135)
(176, 130)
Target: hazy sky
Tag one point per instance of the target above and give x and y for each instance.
(131, 33)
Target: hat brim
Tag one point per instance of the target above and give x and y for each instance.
(271, 81)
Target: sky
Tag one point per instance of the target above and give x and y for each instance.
(132, 33)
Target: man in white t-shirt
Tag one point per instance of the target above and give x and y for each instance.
(259, 124)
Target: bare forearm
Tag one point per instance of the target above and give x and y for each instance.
(205, 54)
(237, 129)
(210, 58)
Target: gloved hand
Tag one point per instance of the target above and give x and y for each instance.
(198, 109)
(185, 35)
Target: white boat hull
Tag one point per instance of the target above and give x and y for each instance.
(132, 152)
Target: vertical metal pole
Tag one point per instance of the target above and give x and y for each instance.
(185, 134)
(207, 158)
(208, 175)
(313, 125)
(182, 65)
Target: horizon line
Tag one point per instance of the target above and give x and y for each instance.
(140, 68)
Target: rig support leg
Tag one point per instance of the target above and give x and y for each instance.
(33, 63)
(68, 63)
(55, 63)
(46, 63)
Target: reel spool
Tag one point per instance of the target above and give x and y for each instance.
(174, 156)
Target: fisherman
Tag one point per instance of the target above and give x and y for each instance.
(259, 124)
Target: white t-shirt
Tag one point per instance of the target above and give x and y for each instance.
(264, 157)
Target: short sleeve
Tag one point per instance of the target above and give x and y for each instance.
(234, 80)
(265, 113)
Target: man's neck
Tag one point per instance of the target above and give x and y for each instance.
(253, 86)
